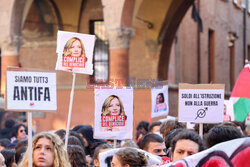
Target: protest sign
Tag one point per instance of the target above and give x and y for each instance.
(159, 101)
(201, 103)
(113, 113)
(31, 91)
(75, 52)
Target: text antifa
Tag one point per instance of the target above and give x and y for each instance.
(31, 93)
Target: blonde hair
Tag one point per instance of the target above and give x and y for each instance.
(60, 155)
(67, 47)
(105, 106)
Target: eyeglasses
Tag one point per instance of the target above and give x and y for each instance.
(22, 131)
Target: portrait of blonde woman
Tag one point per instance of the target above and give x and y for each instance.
(112, 106)
(48, 151)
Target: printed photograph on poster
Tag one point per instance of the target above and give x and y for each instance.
(75, 52)
(159, 101)
(113, 113)
(228, 110)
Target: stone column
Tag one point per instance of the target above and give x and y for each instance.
(119, 32)
(9, 57)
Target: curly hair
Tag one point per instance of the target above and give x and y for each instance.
(132, 157)
(105, 106)
(60, 155)
(169, 125)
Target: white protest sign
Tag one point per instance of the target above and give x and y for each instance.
(159, 101)
(32, 91)
(201, 103)
(228, 110)
(113, 113)
(75, 52)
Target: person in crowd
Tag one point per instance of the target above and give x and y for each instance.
(48, 151)
(77, 127)
(169, 125)
(86, 133)
(141, 130)
(129, 143)
(185, 143)
(101, 148)
(6, 132)
(72, 140)
(9, 156)
(154, 144)
(4, 143)
(112, 106)
(129, 157)
(61, 133)
(206, 127)
(154, 127)
(240, 125)
(160, 103)
(221, 133)
(19, 132)
(2, 161)
(77, 156)
(169, 138)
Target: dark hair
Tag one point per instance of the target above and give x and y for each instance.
(9, 123)
(150, 138)
(4, 142)
(100, 147)
(77, 127)
(72, 140)
(240, 124)
(187, 134)
(75, 134)
(162, 96)
(20, 151)
(169, 125)
(171, 135)
(61, 133)
(206, 127)
(132, 157)
(77, 156)
(9, 156)
(143, 125)
(16, 128)
(220, 134)
(87, 133)
(153, 124)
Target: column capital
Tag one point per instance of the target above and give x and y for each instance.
(119, 37)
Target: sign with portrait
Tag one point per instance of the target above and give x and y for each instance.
(113, 113)
(159, 101)
(75, 52)
(201, 103)
(30, 90)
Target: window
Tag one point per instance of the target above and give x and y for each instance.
(101, 53)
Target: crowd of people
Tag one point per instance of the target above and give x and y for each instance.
(169, 140)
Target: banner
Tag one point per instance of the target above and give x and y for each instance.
(75, 52)
(113, 113)
(31, 91)
(233, 153)
(201, 103)
(159, 101)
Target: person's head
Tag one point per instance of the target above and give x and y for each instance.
(19, 131)
(9, 123)
(129, 143)
(240, 125)
(9, 156)
(129, 157)
(220, 134)
(154, 144)
(77, 156)
(154, 127)
(48, 150)
(101, 148)
(142, 125)
(61, 133)
(113, 106)
(2, 163)
(185, 143)
(86, 133)
(4, 143)
(160, 98)
(78, 136)
(74, 47)
(72, 140)
(169, 125)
